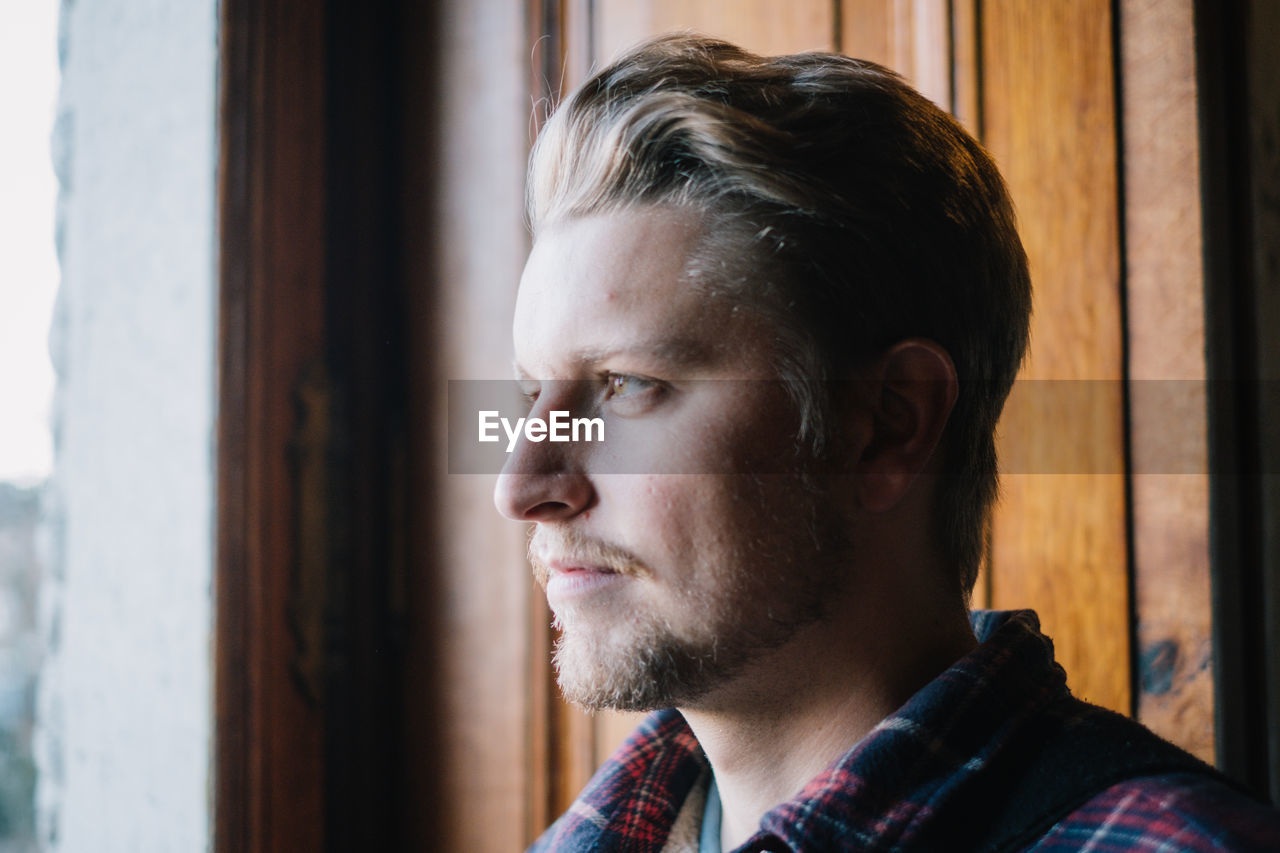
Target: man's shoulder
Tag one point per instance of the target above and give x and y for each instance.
(1061, 774)
(1177, 811)
(1088, 778)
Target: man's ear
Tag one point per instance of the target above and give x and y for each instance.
(912, 390)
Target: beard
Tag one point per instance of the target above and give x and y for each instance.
(765, 589)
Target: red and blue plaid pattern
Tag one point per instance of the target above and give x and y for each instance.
(901, 787)
(1166, 813)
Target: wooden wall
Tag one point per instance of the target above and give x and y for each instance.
(1164, 284)
(270, 749)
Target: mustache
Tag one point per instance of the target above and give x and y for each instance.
(565, 545)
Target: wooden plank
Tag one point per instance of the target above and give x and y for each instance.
(966, 95)
(561, 41)
(1262, 33)
(612, 729)
(1239, 94)
(356, 607)
(546, 60)
(578, 29)
(574, 751)
(543, 805)
(1059, 540)
(270, 754)
(1168, 414)
(762, 26)
(913, 37)
(867, 30)
(232, 758)
(467, 693)
(927, 49)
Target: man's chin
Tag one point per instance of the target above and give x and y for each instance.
(596, 681)
(595, 696)
(645, 675)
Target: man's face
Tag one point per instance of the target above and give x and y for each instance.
(664, 585)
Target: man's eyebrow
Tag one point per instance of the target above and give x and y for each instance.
(669, 352)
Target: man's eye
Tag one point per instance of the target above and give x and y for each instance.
(529, 393)
(632, 395)
(622, 385)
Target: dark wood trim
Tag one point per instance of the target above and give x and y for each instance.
(966, 64)
(837, 26)
(231, 753)
(545, 27)
(1235, 438)
(1262, 85)
(1160, 198)
(269, 742)
(364, 360)
(423, 737)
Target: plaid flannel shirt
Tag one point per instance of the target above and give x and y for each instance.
(917, 782)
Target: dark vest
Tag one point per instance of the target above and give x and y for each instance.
(1050, 768)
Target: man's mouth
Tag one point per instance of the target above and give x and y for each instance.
(562, 566)
(572, 567)
(568, 581)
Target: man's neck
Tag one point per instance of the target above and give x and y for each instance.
(799, 708)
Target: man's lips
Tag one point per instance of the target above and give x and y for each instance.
(573, 568)
(569, 581)
(570, 566)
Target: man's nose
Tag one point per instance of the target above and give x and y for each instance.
(542, 481)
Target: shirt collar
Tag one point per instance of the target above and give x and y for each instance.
(886, 788)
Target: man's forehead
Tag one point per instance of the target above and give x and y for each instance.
(614, 285)
(639, 242)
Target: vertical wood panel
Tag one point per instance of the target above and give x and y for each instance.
(1168, 414)
(1262, 33)
(966, 94)
(467, 689)
(270, 752)
(913, 37)
(763, 26)
(611, 730)
(1235, 115)
(579, 42)
(867, 31)
(926, 49)
(542, 797)
(1059, 540)
(574, 745)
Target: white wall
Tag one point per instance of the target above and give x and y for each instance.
(125, 695)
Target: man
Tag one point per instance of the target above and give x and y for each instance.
(793, 290)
